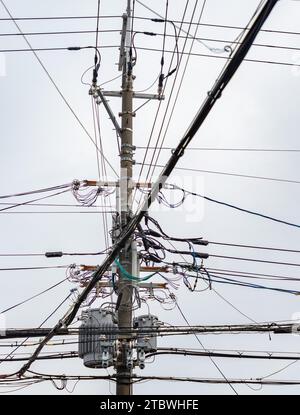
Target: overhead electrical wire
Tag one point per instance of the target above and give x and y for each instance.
(252, 275)
(54, 83)
(3, 210)
(177, 94)
(108, 212)
(60, 18)
(280, 150)
(238, 208)
(246, 176)
(291, 264)
(166, 35)
(54, 356)
(33, 296)
(43, 190)
(202, 345)
(162, 88)
(269, 327)
(66, 48)
(27, 338)
(205, 55)
(263, 30)
(56, 205)
(36, 18)
(172, 351)
(34, 268)
(40, 377)
(219, 354)
(267, 248)
(55, 49)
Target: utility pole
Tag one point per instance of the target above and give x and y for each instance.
(124, 363)
(128, 256)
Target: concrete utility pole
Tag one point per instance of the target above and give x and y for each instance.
(124, 362)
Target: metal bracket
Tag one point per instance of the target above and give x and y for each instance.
(137, 95)
(133, 114)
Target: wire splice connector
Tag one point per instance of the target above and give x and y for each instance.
(57, 254)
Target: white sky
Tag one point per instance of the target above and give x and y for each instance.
(42, 145)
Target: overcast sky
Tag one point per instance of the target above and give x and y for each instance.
(43, 145)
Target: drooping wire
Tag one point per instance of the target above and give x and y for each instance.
(202, 345)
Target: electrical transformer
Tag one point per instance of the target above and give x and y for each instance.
(97, 350)
(146, 342)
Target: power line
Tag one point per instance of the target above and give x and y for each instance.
(205, 55)
(33, 200)
(60, 32)
(54, 356)
(228, 149)
(33, 297)
(216, 354)
(169, 100)
(178, 90)
(67, 48)
(241, 273)
(238, 208)
(27, 337)
(34, 268)
(246, 176)
(225, 26)
(255, 247)
(43, 190)
(59, 18)
(58, 205)
(54, 84)
(190, 37)
(291, 264)
(54, 49)
(201, 344)
(55, 212)
(39, 377)
(269, 327)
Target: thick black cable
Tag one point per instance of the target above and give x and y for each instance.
(183, 352)
(60, 356)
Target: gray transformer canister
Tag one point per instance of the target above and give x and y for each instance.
(147, 341)
(97, 350)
